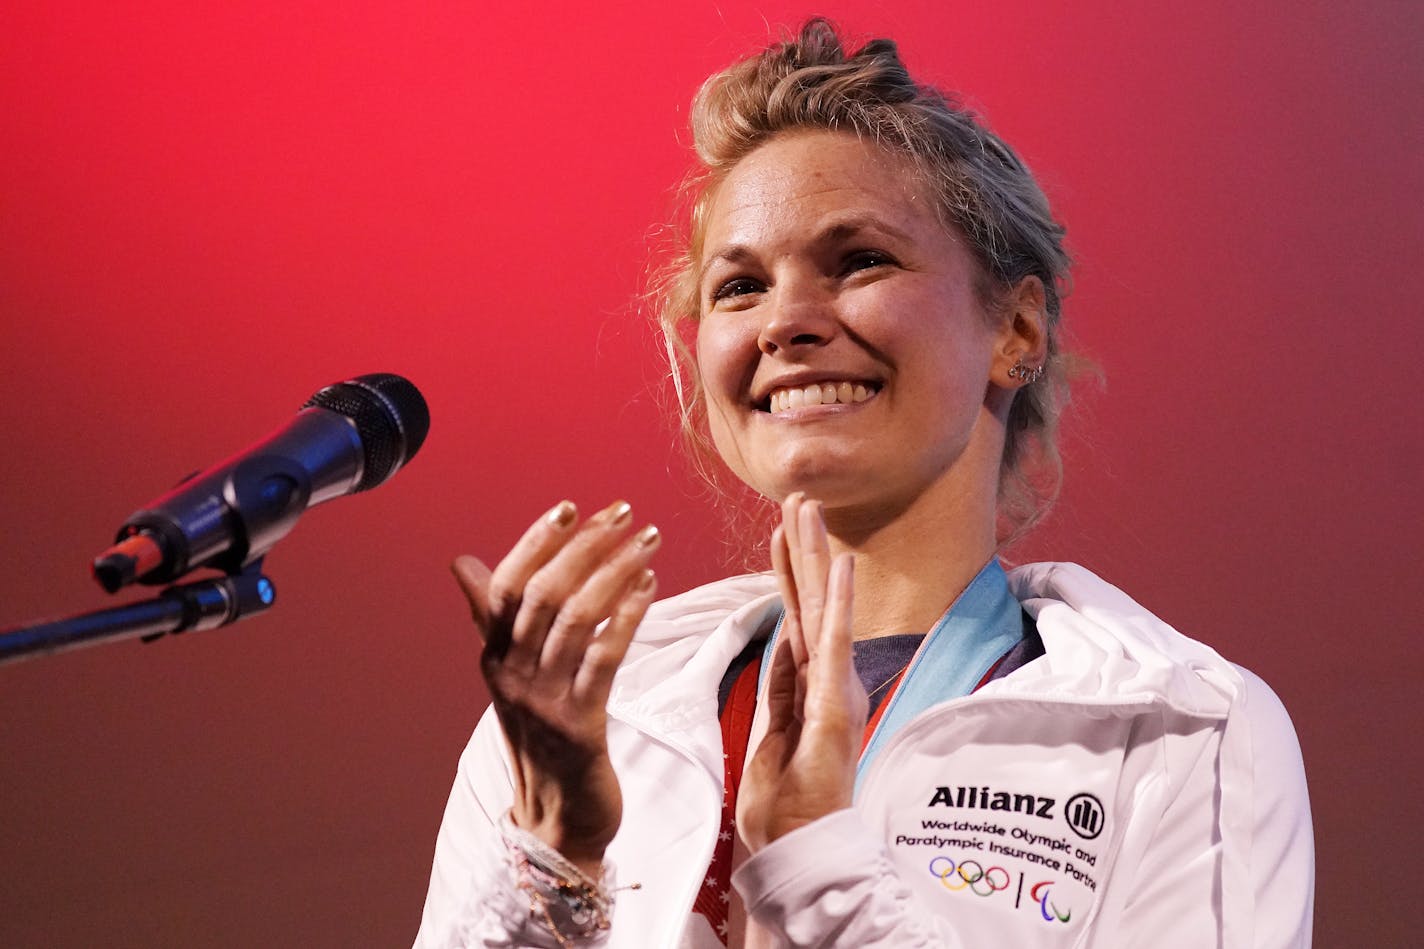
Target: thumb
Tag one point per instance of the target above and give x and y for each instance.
(474, 580)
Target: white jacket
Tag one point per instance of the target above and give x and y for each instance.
(1128, 788)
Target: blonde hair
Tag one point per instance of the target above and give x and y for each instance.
(980, 188)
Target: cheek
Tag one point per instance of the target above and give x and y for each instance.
(721, 365)
(723, 373)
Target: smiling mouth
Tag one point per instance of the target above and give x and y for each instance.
(821, 393)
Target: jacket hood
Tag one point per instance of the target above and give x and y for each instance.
(1101, 645)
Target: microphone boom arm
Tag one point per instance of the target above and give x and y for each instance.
(196, 605)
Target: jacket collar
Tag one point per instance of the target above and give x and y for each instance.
(1101, 647)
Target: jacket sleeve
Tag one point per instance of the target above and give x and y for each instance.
(816, 886)
(1180, 893)
(473, 900)
(1282, 858)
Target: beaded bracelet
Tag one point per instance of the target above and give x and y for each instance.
(543, 872)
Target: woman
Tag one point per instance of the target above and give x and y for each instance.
(871, 282)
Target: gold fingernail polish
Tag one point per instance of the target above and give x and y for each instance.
(562, 514)
(645, 582)
(647, 536)
(619, 513)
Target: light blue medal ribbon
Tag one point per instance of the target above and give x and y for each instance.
(978, 628)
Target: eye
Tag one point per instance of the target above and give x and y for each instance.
(866, 260)
(736, 287)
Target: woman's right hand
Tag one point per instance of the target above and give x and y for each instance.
(549, 668)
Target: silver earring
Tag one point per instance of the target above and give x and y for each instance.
(1024, 373)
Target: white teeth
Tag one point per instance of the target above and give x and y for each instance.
(824, 393)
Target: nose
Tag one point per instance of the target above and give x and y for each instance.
(798, 317)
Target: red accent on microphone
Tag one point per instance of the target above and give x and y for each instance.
(128, 560)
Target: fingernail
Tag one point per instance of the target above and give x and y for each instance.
(647, 536)
(645, 581)
(619, 513)
(562, 514)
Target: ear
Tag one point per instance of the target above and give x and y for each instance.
(1023, 336)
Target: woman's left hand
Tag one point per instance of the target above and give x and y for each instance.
(804, 767)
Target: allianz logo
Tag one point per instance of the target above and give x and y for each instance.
(1083, 812)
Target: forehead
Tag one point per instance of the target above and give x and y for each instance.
(799, 177)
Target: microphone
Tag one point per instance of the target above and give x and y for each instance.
(348, 437)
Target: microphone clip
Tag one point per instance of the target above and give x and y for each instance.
(218, 601)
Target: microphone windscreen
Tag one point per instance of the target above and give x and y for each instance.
(391, 419)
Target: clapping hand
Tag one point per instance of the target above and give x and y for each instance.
(804, 767)
(549, 666)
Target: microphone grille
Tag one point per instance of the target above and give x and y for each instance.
(391, 419)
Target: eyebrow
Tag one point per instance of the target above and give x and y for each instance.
(840, 229)
(853, 224)
(732, 254)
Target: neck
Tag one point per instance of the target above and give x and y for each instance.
(911, 566)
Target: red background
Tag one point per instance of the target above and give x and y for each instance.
(207, 212)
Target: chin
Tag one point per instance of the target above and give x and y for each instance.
(834, 480)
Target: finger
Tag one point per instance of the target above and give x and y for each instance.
(605, 653)
(783, 701)
(544, 538)
(833, 684)
(786, 584)
(474, 577)
(790, 522)
(837, 649)
(791, 630)
(546, 591)
(593, 602)
(813, 573)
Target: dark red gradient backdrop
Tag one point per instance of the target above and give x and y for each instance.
(208, 211)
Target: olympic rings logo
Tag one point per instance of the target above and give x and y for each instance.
(972, 880)
(973, 876)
